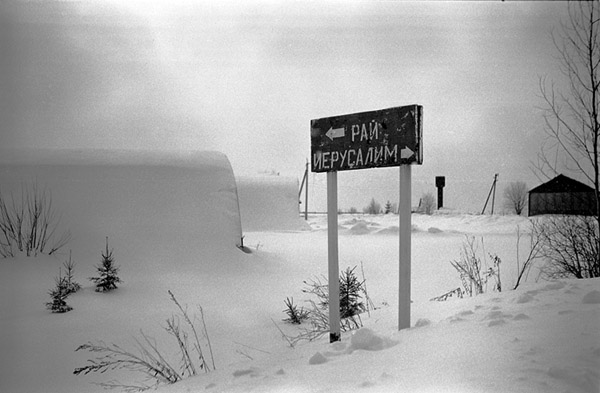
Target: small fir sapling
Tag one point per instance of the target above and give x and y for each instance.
(107, 270)
(352, 291)
(295, 315)
(388, 207)
(59, 295)
(72, 285)
(350, 294)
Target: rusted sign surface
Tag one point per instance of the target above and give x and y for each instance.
(382, 138)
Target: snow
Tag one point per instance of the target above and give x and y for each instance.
(133, 196)
(173, 226)
(269, 203)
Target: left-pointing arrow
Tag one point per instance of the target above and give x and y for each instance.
(335, 133)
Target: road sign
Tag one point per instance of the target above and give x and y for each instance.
(382, 138)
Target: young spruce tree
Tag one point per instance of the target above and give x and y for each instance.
(107, 271)
(72, 285)
(59, 295)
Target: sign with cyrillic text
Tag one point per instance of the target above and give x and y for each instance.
(382, 138)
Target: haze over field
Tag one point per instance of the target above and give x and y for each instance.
(246, 78)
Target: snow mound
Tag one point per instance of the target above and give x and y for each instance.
(270, 203)
(368, 340)
(391, 230)
(168, 200)
(470, 223)
(363, 339)
(585, 379)
(360, 228)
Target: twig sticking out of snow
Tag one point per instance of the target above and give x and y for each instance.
(148, 359)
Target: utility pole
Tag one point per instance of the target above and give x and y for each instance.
(492, 193)
(304, 180)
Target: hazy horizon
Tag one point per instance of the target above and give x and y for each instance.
(246, 78)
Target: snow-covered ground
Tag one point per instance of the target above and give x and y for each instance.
(542, 337)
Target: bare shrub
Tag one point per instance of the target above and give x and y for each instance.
(533, 255)
(572, 127)
(569, 245)
(29, 224)
(475, 271)
(515, 197)
(458, 292)
(373, 207)
(148, 360)
(427, 204)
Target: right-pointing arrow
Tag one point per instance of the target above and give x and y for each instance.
(406, 153)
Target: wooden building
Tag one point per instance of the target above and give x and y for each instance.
(562, 195)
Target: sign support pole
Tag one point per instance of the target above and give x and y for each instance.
(404, 214)
(306, 195)
(332, 254)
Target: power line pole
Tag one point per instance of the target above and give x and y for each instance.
(304, 180)
(491, 193)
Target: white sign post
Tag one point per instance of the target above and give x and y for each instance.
(404, 216)
(332, 256)
(377, 139)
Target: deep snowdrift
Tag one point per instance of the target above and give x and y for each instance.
(136, 198)
(269, 203)
(541, 338)
(174, 227)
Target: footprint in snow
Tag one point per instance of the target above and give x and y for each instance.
(524, 298)
(385, 376)
(565, 312)
(496, 318)
(317, 358)
(459, 317)
(497, 314)
(366, 384)
(521, 317)
(584, 378)
(455, 319)
(534, 350)
(554, 286)
(434, 230)
(496, 322)
(422, 322)
(249, 371)
(592, 297)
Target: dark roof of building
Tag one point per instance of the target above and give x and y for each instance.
(561, 183)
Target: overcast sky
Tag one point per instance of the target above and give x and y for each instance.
(246, 78)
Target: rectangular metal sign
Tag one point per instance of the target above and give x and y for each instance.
(382, 138)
